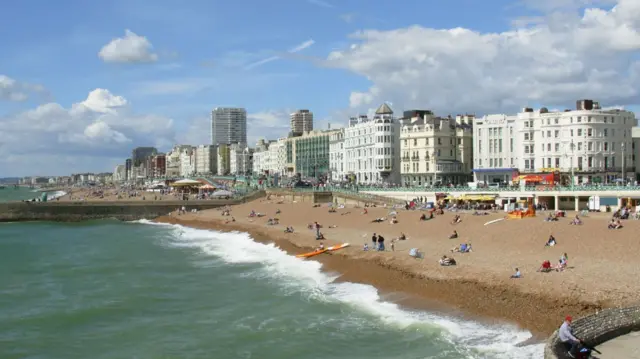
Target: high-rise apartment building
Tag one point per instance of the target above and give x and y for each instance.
(301, 122)
(228, 126)
(140, 154)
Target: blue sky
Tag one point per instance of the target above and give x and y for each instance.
(210, 53)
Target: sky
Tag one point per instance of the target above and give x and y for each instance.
(84, 82)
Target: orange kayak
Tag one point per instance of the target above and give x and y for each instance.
(311, 254)
(320, 251)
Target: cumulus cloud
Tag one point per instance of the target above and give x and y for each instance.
(13, 90)
(131, 48)
(553, 61)
(103, 125)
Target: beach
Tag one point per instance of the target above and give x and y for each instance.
(600, 273)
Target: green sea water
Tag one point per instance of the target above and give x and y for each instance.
(9, 193)
(109, 289)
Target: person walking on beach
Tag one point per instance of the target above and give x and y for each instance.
(567, 338)
(374, 242)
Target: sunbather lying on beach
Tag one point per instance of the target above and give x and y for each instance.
(378, 220)
(454, 235)
(615, 224)
(463, 248)
(576, 221)
(446, 261)
(456, 219)
(288, 230)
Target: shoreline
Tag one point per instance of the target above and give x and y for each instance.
(492, 304)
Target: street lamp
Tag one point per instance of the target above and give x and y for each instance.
(624, 178)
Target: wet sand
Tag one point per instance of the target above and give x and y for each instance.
(601, 265)
(627, 347)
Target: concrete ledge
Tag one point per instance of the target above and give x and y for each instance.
(596, 329)
(80, 211)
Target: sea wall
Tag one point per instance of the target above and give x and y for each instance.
(596, 329)
(355, 199)
(80, 211)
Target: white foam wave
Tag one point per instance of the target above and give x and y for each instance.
(480, 340)
(53, 195)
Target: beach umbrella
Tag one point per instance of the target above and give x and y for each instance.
(185, 182)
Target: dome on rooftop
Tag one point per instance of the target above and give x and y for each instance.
(384, 109)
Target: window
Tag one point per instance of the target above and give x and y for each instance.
(579, 146)
(579, 132)
(549, 147)
(526, 164)
(557, 163)
(571, 133)
(511, 144)
(557, 133)
(526, 137)
(557, 147)
(590, 146)
(606, 146)
(605, 132)
(590, 132)
(555, 121)
(500, 145)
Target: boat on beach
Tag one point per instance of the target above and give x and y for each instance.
(320, 251)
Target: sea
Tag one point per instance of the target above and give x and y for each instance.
(139, 290)
(9, 193)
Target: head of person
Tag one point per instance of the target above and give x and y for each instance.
(568, 319)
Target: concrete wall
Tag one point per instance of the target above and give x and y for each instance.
(596, 329)
(71, 212)
(335, 197)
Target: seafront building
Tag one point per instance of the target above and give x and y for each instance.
(222, 156)
(140, 154)
(301, 122)
(187, 162)
(337, 163)
(308, 154)
(120, 174)
(585, 145)
(436, 150)
(372, 148)
(205, 159)
(228, 125)
(240, 159)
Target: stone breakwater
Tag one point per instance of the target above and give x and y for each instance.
(80, 211)
(596, 329)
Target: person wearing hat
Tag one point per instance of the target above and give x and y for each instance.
(567, 338)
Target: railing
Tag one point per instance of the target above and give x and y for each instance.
(500, 189)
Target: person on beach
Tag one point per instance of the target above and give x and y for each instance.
(551, 241)
(517, 274)
(380, 243)
(567, 338)
(402, 237)
(454, 235)
(374, 242)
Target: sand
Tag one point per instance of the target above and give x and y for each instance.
(602, 263)
(627, 347)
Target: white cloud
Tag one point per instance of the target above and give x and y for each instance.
(293, 50)
(102, 125)
(13, 90)
(131, 48)
(269, 124)
(551, 62)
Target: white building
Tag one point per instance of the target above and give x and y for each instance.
(173, 160)
(337, 163)
(228, 125)
(436, 150)
(261, 158)
(120, 173)
(372, 148)
(590, 142)
(205, 160)
(187, 162)
(278, 157)
(240, 159)
(301, 122)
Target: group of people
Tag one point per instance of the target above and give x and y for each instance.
(546, 265)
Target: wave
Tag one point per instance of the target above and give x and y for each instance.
(306, 276)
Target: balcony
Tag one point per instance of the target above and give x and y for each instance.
(415, 158)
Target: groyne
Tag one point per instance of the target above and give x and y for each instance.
(596, 329)
(80, 211)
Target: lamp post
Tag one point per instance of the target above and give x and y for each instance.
(624, 178)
